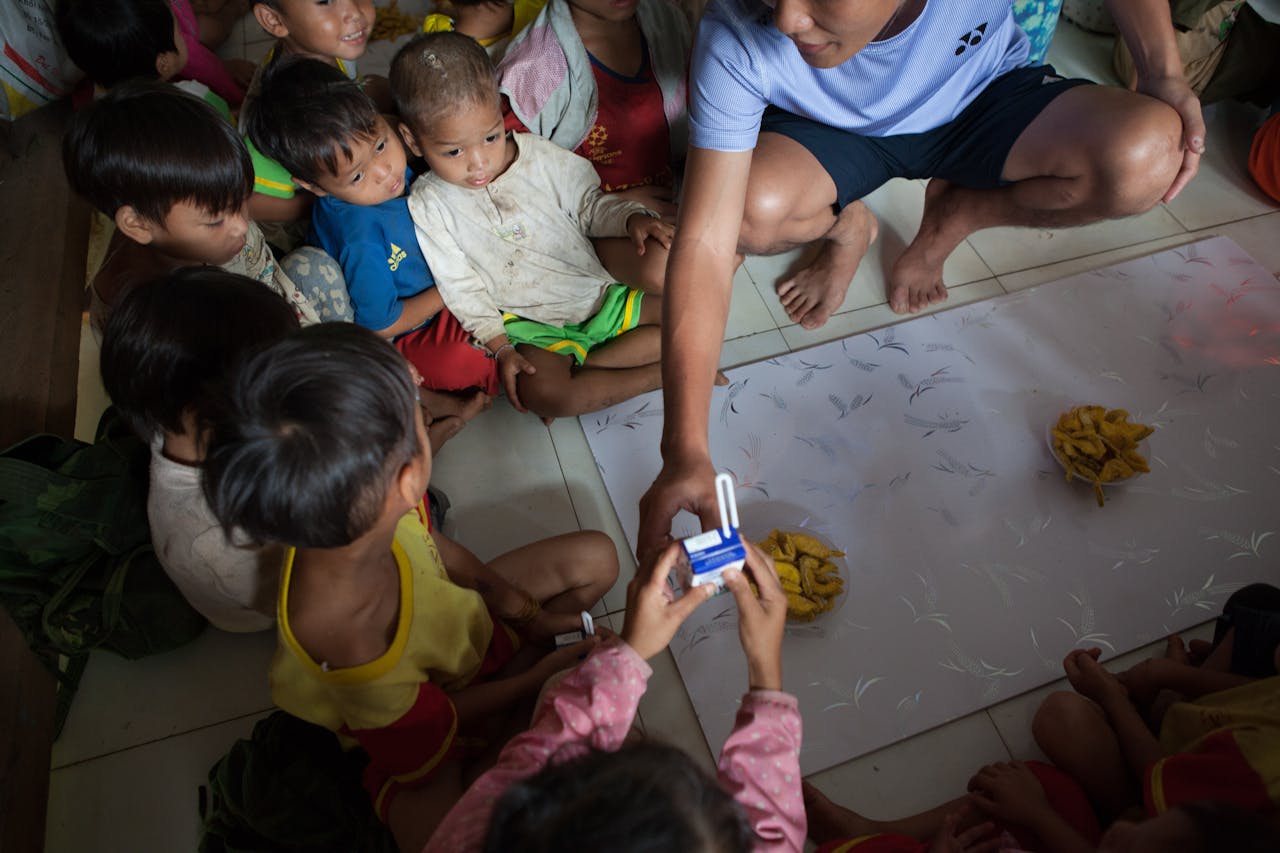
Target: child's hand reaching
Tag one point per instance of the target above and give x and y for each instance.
(652, 617)
(642, 226)
(760, 620)
(510, 365)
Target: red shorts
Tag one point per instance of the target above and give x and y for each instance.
(411, 750)
(443, 354)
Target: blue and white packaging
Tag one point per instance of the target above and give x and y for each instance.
(706, 556)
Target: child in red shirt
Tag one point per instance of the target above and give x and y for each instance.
(607, 80)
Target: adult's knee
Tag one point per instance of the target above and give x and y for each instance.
(1143, 158)
(767, 208)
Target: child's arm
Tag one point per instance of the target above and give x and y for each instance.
(479, 701)
(594, 704)
(355, 237)
(511, 365)
(1140, 747)
(461, 288)
(760, 762)
(371, 283)
(414, 311)
(1144, 680)
(576, 181)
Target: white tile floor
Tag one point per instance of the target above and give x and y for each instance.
(142, 735)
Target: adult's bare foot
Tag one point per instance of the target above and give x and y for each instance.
(814, 293)
(829, 821)
(721, 379)
(915, 282)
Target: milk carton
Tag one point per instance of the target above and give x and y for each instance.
(704, 557)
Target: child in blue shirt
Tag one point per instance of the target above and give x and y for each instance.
(328, 133)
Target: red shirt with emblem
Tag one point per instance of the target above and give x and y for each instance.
(630, 142)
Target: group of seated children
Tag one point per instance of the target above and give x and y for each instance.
(489, 274)
(288, 481)
(290, 466)
(1177, 753)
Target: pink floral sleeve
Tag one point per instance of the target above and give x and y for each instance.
(760, 767)
(591, 707)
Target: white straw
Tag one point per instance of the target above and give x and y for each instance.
(728, 503)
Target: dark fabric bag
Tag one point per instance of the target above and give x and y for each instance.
(77, 570)
(290, 788)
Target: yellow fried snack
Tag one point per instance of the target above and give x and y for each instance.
(1098, 445)
(390, 22)
(809, 578)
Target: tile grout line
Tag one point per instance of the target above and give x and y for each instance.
(555, 448)
(990, 719)
(153, 741)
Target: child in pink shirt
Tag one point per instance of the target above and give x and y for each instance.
(571, 781)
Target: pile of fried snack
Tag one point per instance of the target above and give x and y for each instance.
(1098, 445)
(808, 576)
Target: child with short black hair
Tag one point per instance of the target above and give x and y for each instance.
(175, 178)
(391, 634)
(117, 40)
(506, 222)
(335, 32)
(167, 347)
(572, 783)
(324, 129)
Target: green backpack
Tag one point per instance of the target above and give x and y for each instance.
(77, 570)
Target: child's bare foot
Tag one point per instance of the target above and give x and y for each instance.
(443, 405)
(829, 821)
(1175, 650)
(814, 293)
(441, 430)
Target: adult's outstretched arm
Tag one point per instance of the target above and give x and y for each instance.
(695, 307)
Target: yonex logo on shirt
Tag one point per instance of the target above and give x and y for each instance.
(397, 255)
(972, 38)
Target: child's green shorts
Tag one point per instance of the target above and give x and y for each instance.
(620, 312)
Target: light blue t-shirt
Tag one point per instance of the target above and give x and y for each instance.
(915, 81)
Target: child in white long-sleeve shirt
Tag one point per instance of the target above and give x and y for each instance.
(505, 221)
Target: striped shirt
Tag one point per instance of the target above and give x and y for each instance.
(915, 81)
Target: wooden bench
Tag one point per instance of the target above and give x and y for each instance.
(44, 233)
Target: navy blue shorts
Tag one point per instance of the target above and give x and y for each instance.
(970, 150)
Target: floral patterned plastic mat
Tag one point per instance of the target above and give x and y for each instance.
(972, 565)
